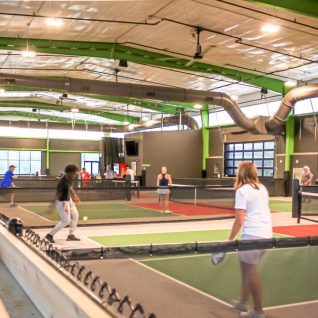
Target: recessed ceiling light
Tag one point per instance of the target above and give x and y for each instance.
(234, 97)
(270, 28)
(290, 83)
(198, 106)
(54, 22)
(28, 53)
(75, 110)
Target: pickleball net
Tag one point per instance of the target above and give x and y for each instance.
(308, 206)
(151, 250)
(214, 196)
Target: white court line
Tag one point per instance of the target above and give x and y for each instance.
(92, 241)
(35, 214)
(291, 305)
(205, 294)
(183, 284)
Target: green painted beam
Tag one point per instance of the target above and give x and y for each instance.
(290, 141)
(205, 138)
(159, 107)
(306, 7)
(168, 108)
(47, 106)
(139, 56)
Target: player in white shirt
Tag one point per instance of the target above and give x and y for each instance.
(253, 217)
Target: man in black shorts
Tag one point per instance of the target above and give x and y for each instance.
(65, 198)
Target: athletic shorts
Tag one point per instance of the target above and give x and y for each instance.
(163, 191)
(252, 257)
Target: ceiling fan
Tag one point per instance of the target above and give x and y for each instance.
(199, 52)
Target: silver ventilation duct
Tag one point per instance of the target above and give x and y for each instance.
(157, 123)
(257, 125)
(274, 125)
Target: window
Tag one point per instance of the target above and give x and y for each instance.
(27, 162)
(261, 153)
(90, 160)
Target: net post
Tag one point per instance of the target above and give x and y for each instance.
(296, 199)
(195, 196)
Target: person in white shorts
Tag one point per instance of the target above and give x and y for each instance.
(252, 215)
(65, 198)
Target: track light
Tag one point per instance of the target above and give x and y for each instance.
(270, 28)
(54, 22)
(290, 83)
(197, 106)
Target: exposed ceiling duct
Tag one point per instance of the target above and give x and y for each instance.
(183, 119)
(257, 125)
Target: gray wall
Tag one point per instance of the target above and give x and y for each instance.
(180, 151)
(58, 161)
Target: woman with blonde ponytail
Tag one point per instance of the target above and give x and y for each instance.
(252, 215)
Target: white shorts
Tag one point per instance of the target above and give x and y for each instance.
(252, 257)
(163, 191)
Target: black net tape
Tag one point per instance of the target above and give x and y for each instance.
(188, 248)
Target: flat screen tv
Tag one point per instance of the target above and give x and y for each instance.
(131, 148)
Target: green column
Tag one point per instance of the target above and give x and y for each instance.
(289, 141)
(205, 138)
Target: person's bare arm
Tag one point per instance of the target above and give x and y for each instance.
(239, 220)
(309, 180)
(169, 179)
(74, 196)
(158, 180)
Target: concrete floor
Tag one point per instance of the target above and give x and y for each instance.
(14, 299)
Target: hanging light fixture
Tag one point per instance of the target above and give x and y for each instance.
(27, 52)
(290, 83)
(54, 22)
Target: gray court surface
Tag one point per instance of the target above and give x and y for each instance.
(16, 302)
(168, 298)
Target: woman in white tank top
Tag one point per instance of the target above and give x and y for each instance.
(253, 217)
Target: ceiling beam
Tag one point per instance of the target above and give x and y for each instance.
(172, 108)
(306, 7)
(167, 108)
(139, 56)
(37, 105)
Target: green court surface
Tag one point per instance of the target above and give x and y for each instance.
(280, 205)
(164, 238)
(100, 211)
(287, 275)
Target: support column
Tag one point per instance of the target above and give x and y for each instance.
(47, 165)
(205, 138)
(289, 149)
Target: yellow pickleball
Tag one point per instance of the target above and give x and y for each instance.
(85, 218)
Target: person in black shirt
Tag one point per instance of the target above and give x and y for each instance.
(65, 198)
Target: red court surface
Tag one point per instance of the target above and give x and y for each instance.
(188, 209)
(298, 230)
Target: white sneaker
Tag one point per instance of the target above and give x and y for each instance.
(252, 314)
(238, 305)
(167, 211)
